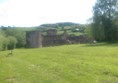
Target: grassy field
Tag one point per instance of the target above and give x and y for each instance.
(61, 64)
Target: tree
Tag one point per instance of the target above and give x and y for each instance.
(7, 42)
(88, 30)
(105, 14)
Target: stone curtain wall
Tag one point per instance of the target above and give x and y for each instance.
(51, 32)
(35, 39)
(80, 39)
(53, 40)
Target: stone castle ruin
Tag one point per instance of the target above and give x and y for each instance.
(35, 39)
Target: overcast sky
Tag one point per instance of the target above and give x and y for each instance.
(35, 12)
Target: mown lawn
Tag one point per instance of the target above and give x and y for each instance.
(62, 64)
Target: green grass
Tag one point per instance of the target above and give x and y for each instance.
(61, 64)
(76, 33)
(71, 33)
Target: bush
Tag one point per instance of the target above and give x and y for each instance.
(3, 42)
(12, 41)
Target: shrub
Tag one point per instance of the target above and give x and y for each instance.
(3, 42)
(12, 41)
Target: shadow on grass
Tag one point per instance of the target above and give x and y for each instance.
(102, 44)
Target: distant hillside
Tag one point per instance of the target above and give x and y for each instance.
(62, 24)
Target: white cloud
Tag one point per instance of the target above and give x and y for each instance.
(35, 12)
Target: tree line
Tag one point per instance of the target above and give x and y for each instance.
(11, 37)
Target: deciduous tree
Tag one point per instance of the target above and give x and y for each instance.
(105, 14)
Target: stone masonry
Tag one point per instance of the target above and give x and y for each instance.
(35, 39)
